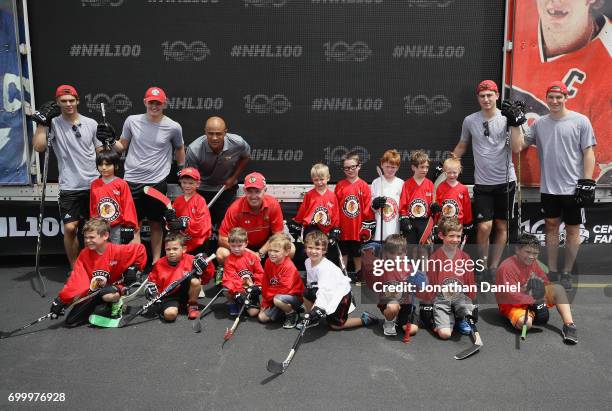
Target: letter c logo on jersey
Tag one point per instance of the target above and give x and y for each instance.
(450, 208)
(350, 208)
(99, 278)
(321, 216)
(418, 208)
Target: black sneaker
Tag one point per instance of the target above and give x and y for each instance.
(291, 320)
(312, 324)
(553, 276)
(369, 319)
(565, 279)
(570, 335)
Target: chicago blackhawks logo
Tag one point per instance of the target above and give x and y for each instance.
(273, 281)
(245, 273)
(451, 288)
(99, 278)
(390, 210)
(350, 208)
(108, 209)
(418, 208)
(450, 208)
(321, 216)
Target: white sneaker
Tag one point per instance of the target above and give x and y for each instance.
(389, 328)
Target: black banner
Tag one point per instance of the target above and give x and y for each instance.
(302, 80)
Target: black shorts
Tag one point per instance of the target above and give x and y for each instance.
(406, 313)
(340, 316)
(564, 206)
(79, 314)
(310, 293)
(217, 212)
(418, 228)
(146, 206)
(178, 299)
(493, 202)
(350, 248)
(73, 205)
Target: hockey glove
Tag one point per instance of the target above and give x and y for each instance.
(46, 113)
(514, 111)
(438, 170)
(200, 264)
(405, 225)
(239, 298)
(126, 235)
(130, 276)
(316, 314)
(540, 311)
(111, 289)
(585, 192)
(435, 208)
(295, 229)
(379, 202)
(426, 315)
(58, 308)
(367, 229)
(173, 223)
(535, 285)
(334, 235)
(106, 134)
(468, 230)
(254, 292)
(151, 291)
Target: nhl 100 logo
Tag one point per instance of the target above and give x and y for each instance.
(333, 155)
(425, 105)
(118, 103)
(184, 51)
(102, 3)
(342, 51)
(264, 104)
(264, 3)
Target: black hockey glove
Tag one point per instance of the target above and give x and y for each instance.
(585, 192)
(405, 225)
(426, 315)
(435, 208)
(334, 235)
(200, 264)
(254, 292)
(110, 289)
(468, 230)
(130, 276)
(438, 170)
(46, 113)
(295, 229)
(240, 298)
(173, 223)
(316, 314)
(126, 235)
(367, 230)
(514, 111)
(151, 291)
(535, 285)
(58, 308)
(540, 311)
(379, 202)
(106, 134)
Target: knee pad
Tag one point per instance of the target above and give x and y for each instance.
(541, 313)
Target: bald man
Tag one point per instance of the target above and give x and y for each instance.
(220, 157)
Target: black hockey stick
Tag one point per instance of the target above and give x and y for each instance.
(229, 332)
(477, 341)
(43, 286)
(280, 367)
(381, 192)
(107, 146)
(197, 324)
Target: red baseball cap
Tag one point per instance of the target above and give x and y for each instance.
(65, 89)
(189, 172)
(487, 85)
(155, 94)
(254, 180)
(557, 87)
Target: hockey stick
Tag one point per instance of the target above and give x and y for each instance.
(477, 341)
(106, 144)
(197, 325)
(229, 332)
(171, 287)
(216, 196)
(110, 322)
(43, 290)
(430, 229)
(526, 317)
(158, 195)
(380, 213)
(46, 316)
(280, 367)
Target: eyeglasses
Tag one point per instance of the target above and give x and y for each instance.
(76, 131)
(350, 168)
(485, 124)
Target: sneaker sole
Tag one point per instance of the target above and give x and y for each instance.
(569, 340)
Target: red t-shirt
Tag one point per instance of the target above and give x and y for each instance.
(113, 202)
(281, 278)
(443, 270)
(455, 202)
(236, 266)
(163, 273)
(93, 271)
(260, 225)
(513, 272)
(320, 210)
(416, 199)
(195, 212)
(355, 200)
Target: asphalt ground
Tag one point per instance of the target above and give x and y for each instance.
(152, 365)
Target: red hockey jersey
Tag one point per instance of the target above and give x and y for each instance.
(416, 199)
(443, 270)
(113, 202)
(319, 209)
(281, 278)
(355, 200)
(512, 271)
(195, 212)
(237, 266)
(455, 202)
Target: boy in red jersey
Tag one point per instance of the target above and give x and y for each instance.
(451, 272)
(415, 200)
(454, 198)
(282, 284)
(536, 293)
(356, 216)
(110, 198)
(191, 208)
(99, 266)
(241, 271)
(319, 209)
(173, 266)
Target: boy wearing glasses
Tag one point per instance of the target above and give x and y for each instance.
(494, 176)
(73, 138)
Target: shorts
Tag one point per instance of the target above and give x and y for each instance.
(310, 293)
(339, 317)
(418, 228)
(275, 313)
(405, 315)
(217, 213)
(79, 314)
(492, 202)
(73, 205)
(514, 312)
(445, 311)
(350, 248)
(146, 206)
(564, 206)
(177, 299)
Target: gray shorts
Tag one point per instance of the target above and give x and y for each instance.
(275, 313)
(445, 311)
(115, 235)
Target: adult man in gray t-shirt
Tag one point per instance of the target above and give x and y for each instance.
(565, 142)
(150, 140)
(220, 157)
(494, 171)
(73, 139)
